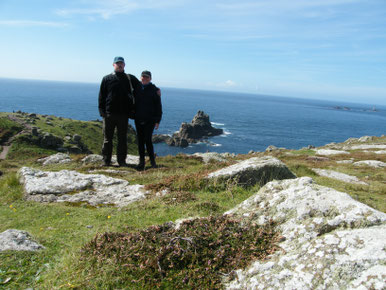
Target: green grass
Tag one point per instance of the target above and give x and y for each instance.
(8, 128)
(67, 230)
(63, 230)
(90, 131)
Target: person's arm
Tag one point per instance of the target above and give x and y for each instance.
(135, 82)
(102, 99)
(158, 108)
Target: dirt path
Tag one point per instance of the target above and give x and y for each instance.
(4, 153)
(7, 144)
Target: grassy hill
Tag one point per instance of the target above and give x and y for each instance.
(82, 241)
(27, 144)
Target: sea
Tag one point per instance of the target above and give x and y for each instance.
(250, 122)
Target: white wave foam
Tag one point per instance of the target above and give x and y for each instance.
(215, 145)
(217, 124)
(225, 133)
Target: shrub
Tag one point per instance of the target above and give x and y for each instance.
(196, 255)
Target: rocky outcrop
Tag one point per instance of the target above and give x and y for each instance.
(256, 170)
(95, 159)
(70, 144)
(330, 152)
(16, 240)
(371, 163)
(160, 138)
(339, 176)
(200, 128)
(58, 158)
(74, 187)
(365, 147)
(212, 156)
(330, 241)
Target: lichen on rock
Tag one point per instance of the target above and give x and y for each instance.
(330, 241)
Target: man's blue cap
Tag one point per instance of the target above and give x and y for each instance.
(119, 59)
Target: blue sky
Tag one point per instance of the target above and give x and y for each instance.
(325, 49)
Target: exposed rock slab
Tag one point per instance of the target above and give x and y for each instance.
(17, 240)
(330, 240)
(365, 147)
(58, 158)
(371, 163)
(72, 186)
(379, 152)
(256, 170)
(209, 156)
(330, 152)
(98, 159)
(339, 176)
(349, 161)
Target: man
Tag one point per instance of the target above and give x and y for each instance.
(148, 114)
(116, 103)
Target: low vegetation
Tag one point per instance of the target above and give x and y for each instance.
(136, 247)
(199, 254)
(8, 128)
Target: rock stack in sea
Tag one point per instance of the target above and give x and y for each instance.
(198, 129)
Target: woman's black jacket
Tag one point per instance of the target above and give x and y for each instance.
(148, 105)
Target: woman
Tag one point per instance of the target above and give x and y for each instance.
(148, 114)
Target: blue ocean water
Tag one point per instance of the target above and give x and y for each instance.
(250, 122)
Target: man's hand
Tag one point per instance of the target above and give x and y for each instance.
(156, 126)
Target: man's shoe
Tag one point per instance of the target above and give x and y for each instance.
(123, 164)
(105, 163)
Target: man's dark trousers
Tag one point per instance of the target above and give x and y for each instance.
(120, 121)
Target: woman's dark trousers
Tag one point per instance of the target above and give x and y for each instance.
(144, 135)
(110, 122)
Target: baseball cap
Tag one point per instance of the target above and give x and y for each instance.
(119, 59)
(146, 73)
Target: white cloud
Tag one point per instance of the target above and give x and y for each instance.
(108, 9)
(29, 23)
(230, 83)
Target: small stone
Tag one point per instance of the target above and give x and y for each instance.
(76, 138)
(17, 240)
(271, 148)
(89, 226)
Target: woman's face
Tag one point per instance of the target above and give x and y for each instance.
(145, 80)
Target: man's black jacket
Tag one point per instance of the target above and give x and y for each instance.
(114, 94)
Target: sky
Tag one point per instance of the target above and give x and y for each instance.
(320, 49)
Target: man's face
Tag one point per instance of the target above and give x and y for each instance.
(119, 66)
(145, 80)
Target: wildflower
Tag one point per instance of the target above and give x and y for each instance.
(11, 206)
(67, 213)
(108, 216)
